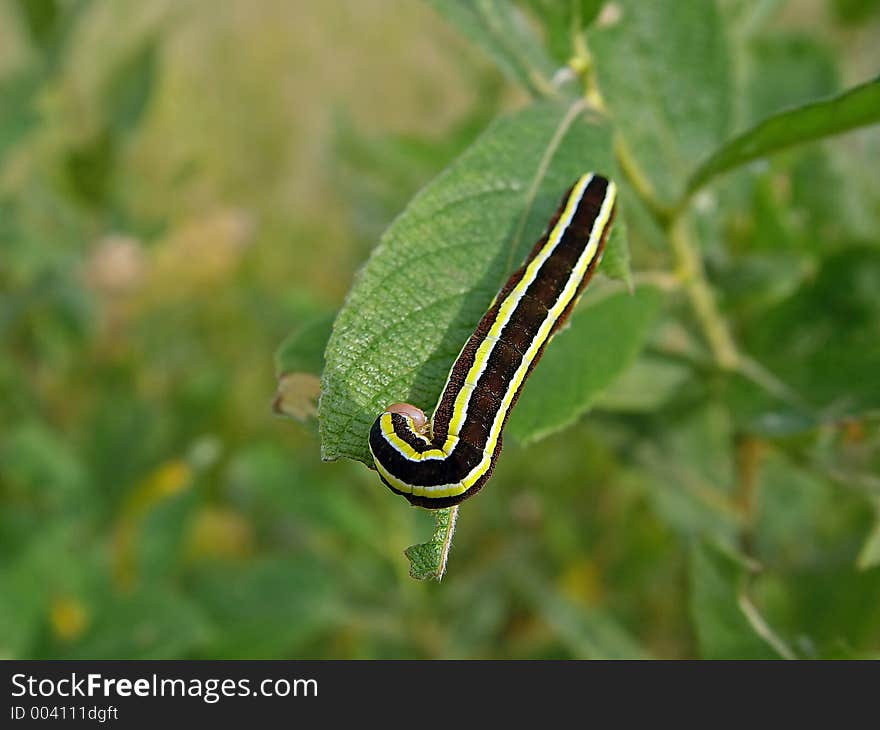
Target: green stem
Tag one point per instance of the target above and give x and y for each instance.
(640, 183)
(673, 220)
(582, 64)
(700, 295)
(689, 263)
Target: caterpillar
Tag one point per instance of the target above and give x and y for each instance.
(441, 462)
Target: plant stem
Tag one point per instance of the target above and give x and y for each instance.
(582, 64)
(640, 183)
(700, 295)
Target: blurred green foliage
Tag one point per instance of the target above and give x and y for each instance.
(184, 184)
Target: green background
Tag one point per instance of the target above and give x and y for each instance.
(184, 184)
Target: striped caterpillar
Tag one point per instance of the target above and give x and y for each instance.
(441, 462)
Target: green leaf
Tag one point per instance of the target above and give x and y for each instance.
(791, 530)
(130, 87)
(303, 349)
(498, 27)
(562, 20)
(828, 600)
(854, 108)
(428, 559)
(824, 340)
(664, 71)
(51, 24)
(89, 168)
(854, 12)
(378, 174)
(602, 341)
(41, 20)
(440, 264)
(723, 629)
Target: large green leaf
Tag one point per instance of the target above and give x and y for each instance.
(664, 71)
(498, 27)
(440, 264)
(602, 341)
(854, 108)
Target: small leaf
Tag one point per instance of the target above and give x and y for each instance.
(498, 27)
(854, 108)
(601, 342)
(442, 261)
(428, 559)
(664, 70)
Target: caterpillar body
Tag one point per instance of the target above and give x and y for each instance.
(441, 462)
